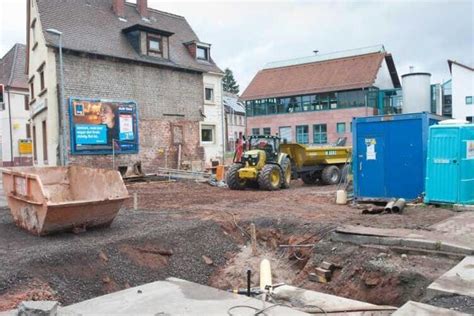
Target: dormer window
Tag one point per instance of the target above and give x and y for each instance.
(202, 53)
(154, 44)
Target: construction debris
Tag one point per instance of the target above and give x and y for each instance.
(207, 260)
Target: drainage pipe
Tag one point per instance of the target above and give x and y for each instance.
(399, 206)
(389, 206)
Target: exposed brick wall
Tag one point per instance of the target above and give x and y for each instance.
(158, 92)
(329, 117)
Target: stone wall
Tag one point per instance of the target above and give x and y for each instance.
(168, 102)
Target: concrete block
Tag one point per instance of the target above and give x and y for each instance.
(463, 207)
(459, 280)
(38, 308)
(457, 249)
(419, 243)
(419, 309)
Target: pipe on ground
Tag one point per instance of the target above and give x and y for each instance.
(389, 206)
(399, 206)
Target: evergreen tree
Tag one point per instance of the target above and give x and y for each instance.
(229, 83)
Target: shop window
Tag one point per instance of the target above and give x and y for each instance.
(302, 134)
(320, 134)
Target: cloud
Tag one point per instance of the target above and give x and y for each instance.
(245, 35)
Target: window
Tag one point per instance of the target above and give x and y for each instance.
(32, 89)
(255, 131)
(202, 53)
(469, 99)
(207, 133)
(154, 45)
(27, 103)
(320, 134)
(470, 119)
(286, 134)
(341, 128)
(267, 131)
(41, 79)
(45, 143)
(35, 155)
(302, 134)
(209, 94)
(28, 131)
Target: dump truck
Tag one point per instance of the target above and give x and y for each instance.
(44, 200)
(269, 165)
(318, 164)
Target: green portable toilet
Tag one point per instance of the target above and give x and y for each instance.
(450, 164)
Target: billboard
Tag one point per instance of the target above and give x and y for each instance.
(103, 126)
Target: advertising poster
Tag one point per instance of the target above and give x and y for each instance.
(470, 149)
(103, 126)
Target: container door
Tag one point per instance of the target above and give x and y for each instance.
(443, 165)
(371, 173)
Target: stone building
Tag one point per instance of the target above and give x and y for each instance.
(134, 84)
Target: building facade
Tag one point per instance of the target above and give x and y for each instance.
(313, 100)
(134, 85)
(14, 114)
(234, 119)
(462, 90)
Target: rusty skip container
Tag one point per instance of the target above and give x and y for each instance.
(44, 200)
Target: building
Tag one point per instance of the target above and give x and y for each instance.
(312, 100)
(135, 86)
(14, 114)
(462, 90)
(234, 119)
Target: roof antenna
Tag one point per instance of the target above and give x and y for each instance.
(315, 52)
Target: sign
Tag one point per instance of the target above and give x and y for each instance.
(371, 154)
(470, 149)
(25, 146)
(101, 126)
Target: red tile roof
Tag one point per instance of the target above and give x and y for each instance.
(347, 73)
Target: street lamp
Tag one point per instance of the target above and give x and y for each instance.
(62, 105)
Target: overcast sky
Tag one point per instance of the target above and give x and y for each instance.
(245, 35)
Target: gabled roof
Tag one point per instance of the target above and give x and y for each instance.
(12, 68)
(316, 75)
(92, 27)
(451, 62)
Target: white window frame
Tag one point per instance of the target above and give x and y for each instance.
(213, 129)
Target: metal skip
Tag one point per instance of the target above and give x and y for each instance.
(44, 200)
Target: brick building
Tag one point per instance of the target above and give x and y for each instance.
(145, 68)
(312, 100)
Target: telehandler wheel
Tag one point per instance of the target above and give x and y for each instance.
(309, 178)
(331, 175)
(286, 173)
(269, 178)
(233, 180)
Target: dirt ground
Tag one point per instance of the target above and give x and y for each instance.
(198, 232)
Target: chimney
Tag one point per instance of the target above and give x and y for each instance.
(142, 8)
(119, 7)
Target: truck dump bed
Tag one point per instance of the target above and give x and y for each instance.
(43, 200)
(306, 156)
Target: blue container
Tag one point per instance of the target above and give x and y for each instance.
(450, 164)
(389, 155)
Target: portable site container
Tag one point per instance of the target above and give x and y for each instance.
(389, 155)
(450, 164)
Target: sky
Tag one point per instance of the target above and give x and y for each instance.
(245, 35)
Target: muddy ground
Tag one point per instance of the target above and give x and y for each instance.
(199, 233)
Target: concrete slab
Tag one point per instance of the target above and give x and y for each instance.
(459, 280)
(175, 297)
(334, 305)
(414, 308)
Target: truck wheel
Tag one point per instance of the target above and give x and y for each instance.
(309, 178)
(286, 173)
(331, 175)
(269, 178)
(233, 180)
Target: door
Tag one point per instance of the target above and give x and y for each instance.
(443, 165)
(286, 134)
(371, 173)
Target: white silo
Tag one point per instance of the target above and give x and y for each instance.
(416, 92)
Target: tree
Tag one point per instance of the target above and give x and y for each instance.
(230, 85)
